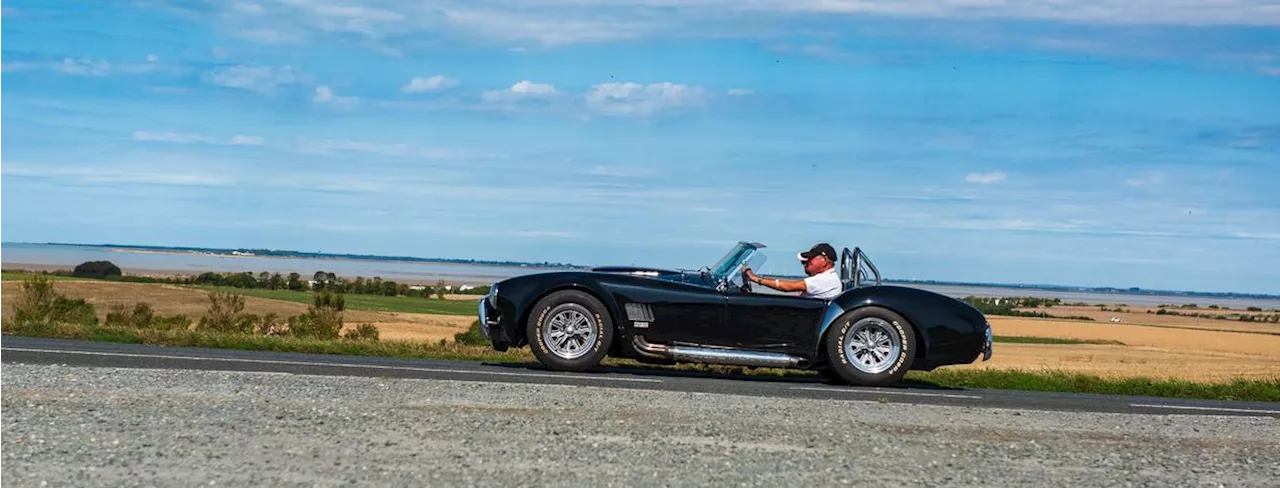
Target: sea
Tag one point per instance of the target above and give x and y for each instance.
(39, 256)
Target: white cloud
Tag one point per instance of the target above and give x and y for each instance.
(1270, 70)
(245, 141)
(619, 171)
(151, 58)
(1147, 179)
(324, 94)
(84, 67)
(738, 92)
(13, 67)
(392, 149)
(261, 79)
(985, 178)
(637, 99)
(185, 138)
(434, 83)
(523, 89)
(560, 22)
(123, 174)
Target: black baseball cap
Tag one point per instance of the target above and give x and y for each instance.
(821, 248)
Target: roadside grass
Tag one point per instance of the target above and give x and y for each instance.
(23, 275)
(1052, 340)
(252, 342)
(1051, 381)
(359, 301)
(1067, 382)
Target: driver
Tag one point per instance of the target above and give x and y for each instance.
(820, 264)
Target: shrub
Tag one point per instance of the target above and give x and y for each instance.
(96, 269)
(143, 317)
(472, 336)
(361, 333)
(39, 303)
(223, 312)
(323, 319)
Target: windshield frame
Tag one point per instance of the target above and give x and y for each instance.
(737, 254)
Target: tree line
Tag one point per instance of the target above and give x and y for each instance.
(318, 281)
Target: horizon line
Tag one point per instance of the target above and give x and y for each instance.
(381, 257)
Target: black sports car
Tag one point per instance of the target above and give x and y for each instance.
(871, 334)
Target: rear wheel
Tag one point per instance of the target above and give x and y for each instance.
(871, 346)
(569, 330)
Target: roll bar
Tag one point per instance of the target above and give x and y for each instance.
(851, 268)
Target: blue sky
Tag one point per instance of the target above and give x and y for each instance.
(1096, 143)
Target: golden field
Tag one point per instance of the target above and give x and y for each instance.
(1156, 346)
(172, 300)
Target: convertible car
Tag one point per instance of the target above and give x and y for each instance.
(871, 334)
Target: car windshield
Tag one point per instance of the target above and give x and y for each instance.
(732, 259)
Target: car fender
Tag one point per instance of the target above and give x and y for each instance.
(935, 318)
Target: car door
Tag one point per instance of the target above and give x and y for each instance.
(667, 312)
(771, 322)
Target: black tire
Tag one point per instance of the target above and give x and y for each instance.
(557, 311)
(874, 321)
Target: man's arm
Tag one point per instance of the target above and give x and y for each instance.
(775, 283)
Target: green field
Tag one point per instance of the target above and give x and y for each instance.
(361, 302)
(1051, 340)
(19, 276)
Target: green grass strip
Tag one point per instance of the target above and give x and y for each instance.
(1051, 340)
(359, 301)
(1062, 381)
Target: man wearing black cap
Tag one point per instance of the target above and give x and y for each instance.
(820, 264)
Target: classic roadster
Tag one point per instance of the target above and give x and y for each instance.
(871, 334)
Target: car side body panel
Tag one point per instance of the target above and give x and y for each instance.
(682, 307)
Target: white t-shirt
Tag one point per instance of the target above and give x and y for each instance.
(825, 285)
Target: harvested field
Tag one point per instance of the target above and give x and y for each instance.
(172, 300)
(1139, 315)
(1198, 355)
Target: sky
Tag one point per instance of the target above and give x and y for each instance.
(1075, 142)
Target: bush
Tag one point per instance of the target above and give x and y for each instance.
(96, 269)
(39, 303)
(362, 333)
(323, 319)
(472, 337)
(223, 313)
(142, 317)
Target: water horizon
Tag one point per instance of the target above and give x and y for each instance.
(413, 270)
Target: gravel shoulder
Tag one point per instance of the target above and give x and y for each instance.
(135, 427)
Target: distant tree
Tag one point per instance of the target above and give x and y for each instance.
(295, 281)
(264, 279)
(96, 269)
(277, 281)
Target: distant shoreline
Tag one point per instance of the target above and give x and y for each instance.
(242, 253)
(286, 254)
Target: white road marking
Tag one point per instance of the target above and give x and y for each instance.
(1220, 409)
(348, 365)
(887, 392)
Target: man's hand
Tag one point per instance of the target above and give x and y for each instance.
(746, 273)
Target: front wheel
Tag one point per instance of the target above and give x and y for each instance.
(569, 330)
(871, 346)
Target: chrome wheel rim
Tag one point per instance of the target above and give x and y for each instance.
(570, 332)
(872, 345)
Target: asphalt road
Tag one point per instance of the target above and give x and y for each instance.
(100, 354)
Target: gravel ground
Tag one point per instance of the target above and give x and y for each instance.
(103, 426)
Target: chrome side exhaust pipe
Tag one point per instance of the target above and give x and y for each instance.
(709, 355)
